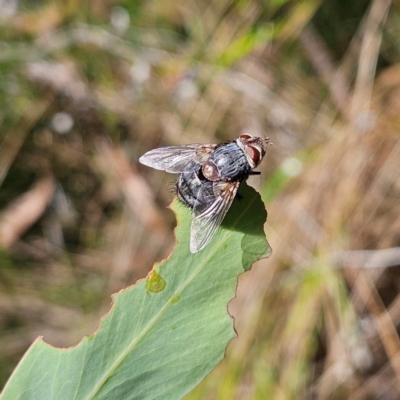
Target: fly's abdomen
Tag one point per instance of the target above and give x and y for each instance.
(193, 190)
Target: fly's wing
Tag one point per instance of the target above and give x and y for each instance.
(209, 213)
(176, 158)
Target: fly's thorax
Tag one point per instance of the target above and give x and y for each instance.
(226, 163)
(253, 147)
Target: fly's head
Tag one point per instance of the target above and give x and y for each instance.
(254, 148)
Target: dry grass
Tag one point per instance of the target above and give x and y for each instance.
(81, 218)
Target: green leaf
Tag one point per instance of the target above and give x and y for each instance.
(162, 335)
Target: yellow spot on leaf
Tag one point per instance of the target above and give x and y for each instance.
(155, 283)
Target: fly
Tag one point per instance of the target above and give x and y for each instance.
(209, 178)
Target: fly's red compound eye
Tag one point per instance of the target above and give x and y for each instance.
(254, 154)
(245, 136)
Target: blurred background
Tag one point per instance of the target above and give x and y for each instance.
(86, 87)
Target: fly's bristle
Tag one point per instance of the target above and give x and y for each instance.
(267, 140)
